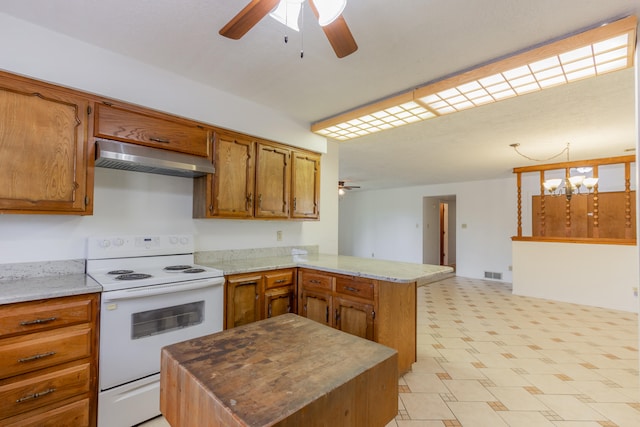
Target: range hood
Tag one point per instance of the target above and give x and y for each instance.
(120, 155)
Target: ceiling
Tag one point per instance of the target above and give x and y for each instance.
(402, 44)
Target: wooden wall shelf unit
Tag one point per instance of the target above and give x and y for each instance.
(47, 156)
(593, 217)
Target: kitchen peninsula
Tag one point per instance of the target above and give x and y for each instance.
(373, 299)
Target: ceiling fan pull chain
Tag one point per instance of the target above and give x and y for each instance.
(302, 33)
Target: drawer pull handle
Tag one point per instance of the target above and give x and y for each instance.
(315, 282)
(36, 357)
(37, 321)
(36, 395)
(351, 289)
(281, 281)
(161, 140)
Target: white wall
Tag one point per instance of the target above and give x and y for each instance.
(389, 224)
(597, 275)
(131, 202)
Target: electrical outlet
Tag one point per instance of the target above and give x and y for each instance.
(279, 235)
(635, 292)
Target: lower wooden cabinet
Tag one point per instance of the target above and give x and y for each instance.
(48, 362)
(255, 296)
(377, 310)
(384, 312)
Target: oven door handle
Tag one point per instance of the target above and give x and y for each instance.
(170, 288)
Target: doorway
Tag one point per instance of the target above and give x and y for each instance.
(439, 230)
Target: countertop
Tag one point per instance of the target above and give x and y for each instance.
(35, 288)
(390, 271)
(286, 370)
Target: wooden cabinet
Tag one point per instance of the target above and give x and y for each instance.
(43, 149)
(153, 129)
(230, 192)
(255, 296)
(257, 179)
(384, 312)
(273, 177)
(343, 302)
(243, 299)
(48, 362)
(279, 293)
(305, 185)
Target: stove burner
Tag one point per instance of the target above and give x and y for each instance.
(133, 276)
(120, 272)
(194, 270)
(177, 267)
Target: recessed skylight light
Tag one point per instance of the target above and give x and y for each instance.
(598, 51)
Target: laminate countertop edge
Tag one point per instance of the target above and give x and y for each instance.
(390, 271)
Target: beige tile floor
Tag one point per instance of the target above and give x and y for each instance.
(489, 358)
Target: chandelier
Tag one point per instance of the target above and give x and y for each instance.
(571, 184)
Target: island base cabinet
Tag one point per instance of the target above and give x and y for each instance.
(354, 318)
(396, 320)
(380, 311)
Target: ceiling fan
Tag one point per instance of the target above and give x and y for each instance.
(328, 12)
(342, 187)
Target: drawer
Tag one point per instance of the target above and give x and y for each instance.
(277, 279)
(167, 133)
(39, 350)
(357, 287)
(31, 392)
(46, 314)
(313, 280)
(75, 414)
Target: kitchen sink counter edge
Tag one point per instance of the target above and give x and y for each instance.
(37, 288)
(390, 271)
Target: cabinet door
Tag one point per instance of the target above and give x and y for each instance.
(273, 176)
(305, 185)
(353, 317)
(316, 306)
(151, 129)
(243, 300)
(279, 301)
(43, 149)
(233, 182)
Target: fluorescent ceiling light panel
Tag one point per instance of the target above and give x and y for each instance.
(601, 50)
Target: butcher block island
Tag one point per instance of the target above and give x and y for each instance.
(282, 371)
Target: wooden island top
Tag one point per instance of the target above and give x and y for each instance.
(284, 371)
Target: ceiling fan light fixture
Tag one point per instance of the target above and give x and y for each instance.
(329, 10)
(288, 13)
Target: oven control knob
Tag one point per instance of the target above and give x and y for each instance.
(173, 240)
(184, 240)
(104, 243)
(118, 242)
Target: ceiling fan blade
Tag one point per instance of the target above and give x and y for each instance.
(247, 18)
(338, 34)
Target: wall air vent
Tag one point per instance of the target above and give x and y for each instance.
(492, 275)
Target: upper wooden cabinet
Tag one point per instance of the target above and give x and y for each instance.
(254, 179)
(230, 192)
(273, 177)
(150, 128)
(43, 149)
(305, 185)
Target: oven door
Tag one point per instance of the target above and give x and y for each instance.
(136, 323)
